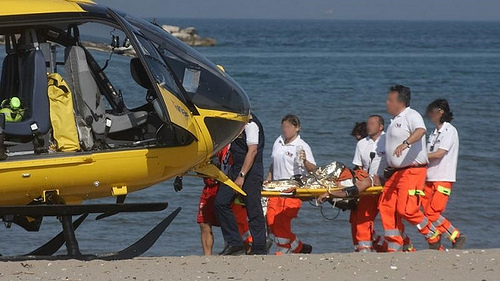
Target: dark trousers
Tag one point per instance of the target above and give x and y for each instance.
(256, 221)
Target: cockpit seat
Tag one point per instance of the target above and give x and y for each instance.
(24, 76)
(89, 102)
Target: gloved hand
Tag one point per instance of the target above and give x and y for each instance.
(178, 184)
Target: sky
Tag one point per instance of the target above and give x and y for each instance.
(313, 9)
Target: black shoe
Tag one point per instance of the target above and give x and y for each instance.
(435, 245)
(459, 242)
(232, 251)
(306, 249)
(258, 251)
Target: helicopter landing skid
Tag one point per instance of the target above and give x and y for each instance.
(47, 251)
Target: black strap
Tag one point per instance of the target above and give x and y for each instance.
(103, 83)
(38, 141)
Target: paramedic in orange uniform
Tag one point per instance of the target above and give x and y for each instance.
(370, 157)
(291, 156)
(407, 157)
(442, 149)
(240, 213)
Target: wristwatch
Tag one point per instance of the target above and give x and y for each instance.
(407, 143)
(242, 175)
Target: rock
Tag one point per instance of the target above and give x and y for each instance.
(183, 37)
(171, 28)
(189, 30)
(129, 52)
(205, 42)
(189, 36)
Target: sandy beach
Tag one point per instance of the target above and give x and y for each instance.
(422, 265)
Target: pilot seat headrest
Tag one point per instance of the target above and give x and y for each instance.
(139, 73)
(28, 41)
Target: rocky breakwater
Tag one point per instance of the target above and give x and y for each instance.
(189, 36)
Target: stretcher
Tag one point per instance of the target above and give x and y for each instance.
(309, 193)
(334, 176)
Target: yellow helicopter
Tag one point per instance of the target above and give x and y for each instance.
(78, 140)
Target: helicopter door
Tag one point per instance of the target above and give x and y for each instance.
(169, 103)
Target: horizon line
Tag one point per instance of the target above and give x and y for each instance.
(326, 19)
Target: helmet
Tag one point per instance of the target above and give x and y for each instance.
(12, 110)
(15, 103)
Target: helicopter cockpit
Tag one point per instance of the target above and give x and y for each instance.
(119, 71)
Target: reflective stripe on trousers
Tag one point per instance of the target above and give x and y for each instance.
(394, 247)
(246, 235)
(439, 221)
(364, 246)
(295, 244)
(392, 232)
(282, 247)
(423, 223)
(444, 190)
(451, 233)
(281, 241)
(281, 250)
(390, 236)
(433, 232)
(417, 192)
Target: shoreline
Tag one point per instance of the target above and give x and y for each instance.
(421, 265)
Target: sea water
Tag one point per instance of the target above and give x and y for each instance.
(331, 74)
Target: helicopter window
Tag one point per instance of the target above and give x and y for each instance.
(113, 52)
(206, 88)
(215, 89)
(159, 68)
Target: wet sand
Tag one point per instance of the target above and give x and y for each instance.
(422, 265)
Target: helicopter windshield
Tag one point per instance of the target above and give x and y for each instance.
(206, 85)
(159, 68)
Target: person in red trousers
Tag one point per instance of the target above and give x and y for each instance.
(370, 157)
(291, 156)
(407, 159)
(442, 150)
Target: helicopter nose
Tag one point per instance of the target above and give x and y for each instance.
(225, 128)
(229, 104)
(223, 131)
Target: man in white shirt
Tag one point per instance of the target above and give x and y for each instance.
(442, 151)
(407, 156)
(370, 151)
(369, 156)
(247, 171)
